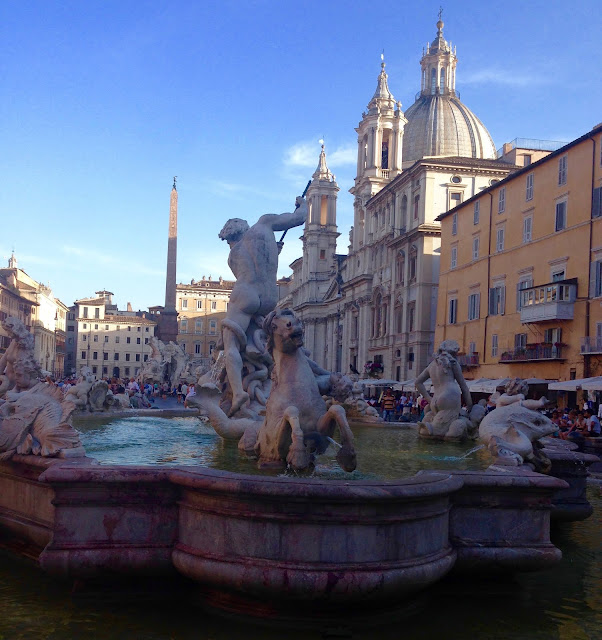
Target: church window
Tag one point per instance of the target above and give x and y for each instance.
(454, 199)
(404, 212)
(324, 210)
(442, 82)
(416, 206)
(413, 263)
(399, 318)
(322, 254)
(433, 81)
(456, 179)
(411, 315)
(385, 155)
(401, 264)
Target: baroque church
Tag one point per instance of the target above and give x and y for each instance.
(377, 304)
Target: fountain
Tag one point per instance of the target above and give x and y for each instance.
(271, 545)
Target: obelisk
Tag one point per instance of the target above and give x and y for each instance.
(168, 320)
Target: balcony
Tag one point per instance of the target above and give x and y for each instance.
(591, 344)
(548, 302)
(468, 360)
(534, 352)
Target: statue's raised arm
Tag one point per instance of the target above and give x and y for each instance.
(285, 221)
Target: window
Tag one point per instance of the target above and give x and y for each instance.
(145, 340)
(85, 312)
(499, 239)
(474, 306)
(96, 326)
(146, 329)
(127, 357)
(95, 355)
(456, 179)
(454, 258)
(475, 247)
(106, 338)
(454, 199)
(83, 355)
(137, 340)
(597, 269)
(95, 337)
(137, 357)
(94, 370)
(184, 303)
(562, 167)
(322, 254)
(199, 304)
(527, 229)
(411, 316)
(529, 191)
(477, 212)
(145, 357)
(455, 224)
(597, 203)
(527, 159)
(197, 348)
(96, 312)
(85, 326)
(115, 356)
(501, 201)
(416, 206)
(105, 356)
(525, 283)
(404, 212)
(212, 327)
(116, 339)
(560, 216)
(213, 305)
(452, 316)
(138, 329)
(129, 328)
(128, 340)
(127, 371)
(520, 340)
(413, 263)
(494, 345)
(497, 300)
(198, 326)
(105, 370)
(84, 338)
(184, 326)
(211, 347)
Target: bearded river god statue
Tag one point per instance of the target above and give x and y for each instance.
(34, 416)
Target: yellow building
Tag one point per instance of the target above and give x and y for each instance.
(520, 284)
(201, 307)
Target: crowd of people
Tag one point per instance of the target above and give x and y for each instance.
(141, 396)
(398, 406)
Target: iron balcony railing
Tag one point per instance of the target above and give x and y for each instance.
(468, 360)
(591, 344)
(533, 352)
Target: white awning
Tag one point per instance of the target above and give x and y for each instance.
(574, 385)
(486, 385)
(375, 382)
(410, 385)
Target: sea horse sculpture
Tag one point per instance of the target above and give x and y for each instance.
(297, 422)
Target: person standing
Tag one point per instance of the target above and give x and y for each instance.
(388, 405)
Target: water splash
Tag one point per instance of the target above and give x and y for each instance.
(480, 446)
(217, 367)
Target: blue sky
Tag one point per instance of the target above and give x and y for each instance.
(104, 102)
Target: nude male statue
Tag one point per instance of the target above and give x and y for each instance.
(253, 260)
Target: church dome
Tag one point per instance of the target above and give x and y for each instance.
(439, 124)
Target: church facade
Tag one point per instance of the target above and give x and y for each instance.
(375, 307)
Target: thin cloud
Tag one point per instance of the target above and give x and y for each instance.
(506, 77)
(306, 154)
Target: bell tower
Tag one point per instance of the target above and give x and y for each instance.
(320, 234)
(379, 150)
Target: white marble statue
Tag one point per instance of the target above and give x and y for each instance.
(167, 362)
(443, 418)
(34, 416)
(297, 422)
(18, 369)
(254, 261)
(512, 431)
(357, 408)
(78, 393)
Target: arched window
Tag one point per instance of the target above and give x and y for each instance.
(442, 81)
(401, 268)
(433, 81)
(413, 263)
